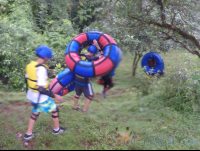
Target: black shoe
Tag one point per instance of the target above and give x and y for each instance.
(28, 137)
(61, 130)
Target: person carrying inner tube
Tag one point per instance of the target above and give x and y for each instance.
(105, 80)
(37, 82)
(82, 84)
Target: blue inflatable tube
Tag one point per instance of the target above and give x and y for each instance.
(107, 64)
(159, 63)
(112, 56)
(112, 73)
(63, 82)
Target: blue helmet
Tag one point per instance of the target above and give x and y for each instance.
(44, 51)
(93, 49)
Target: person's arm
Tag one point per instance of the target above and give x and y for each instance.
(101, 52)
(42, 90)
(95, 43)
(42, 81)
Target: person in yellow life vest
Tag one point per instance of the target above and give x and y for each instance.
(38, 93)
(82, 84)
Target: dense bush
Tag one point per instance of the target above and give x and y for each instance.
(19, 39)
(17, 45)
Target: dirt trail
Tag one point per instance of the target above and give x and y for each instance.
(20, 103)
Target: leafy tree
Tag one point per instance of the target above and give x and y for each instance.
(52, 20)
(85, 12)
(176, 21)
(152, 25)
(21, 34)
(17, 43)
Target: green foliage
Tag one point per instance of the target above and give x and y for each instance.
(180, 88)
(17, 43)
(57, 69)
(52, 20)
(22, 31)
(6, 6)
(85, 12)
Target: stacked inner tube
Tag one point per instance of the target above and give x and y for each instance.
(63, 82)
(159, 64)
(111, 57)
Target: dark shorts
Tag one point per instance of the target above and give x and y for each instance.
(108, 81)
(86, 89)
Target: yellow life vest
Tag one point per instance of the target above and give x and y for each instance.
(83, 58)
(32, 78)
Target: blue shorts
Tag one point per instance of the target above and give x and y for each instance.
(48, 106)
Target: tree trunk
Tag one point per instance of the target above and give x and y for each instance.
(134, 70)
(135, 62)
(134, 67)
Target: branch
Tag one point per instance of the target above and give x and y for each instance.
(172, 28)
(183, 20)
(148, 11)
(173, 18)
(183, 45)
(163, 16)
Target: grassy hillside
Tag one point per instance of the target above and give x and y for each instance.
(148, 106)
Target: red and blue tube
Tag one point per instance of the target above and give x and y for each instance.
(107, 64)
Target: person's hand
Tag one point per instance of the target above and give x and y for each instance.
(101, 52)
(58, 97)
(100, 56)
(95, 43)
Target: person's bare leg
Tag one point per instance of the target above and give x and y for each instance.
(76, 101)
(87, 102)
(31, 123)
(55, 120)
